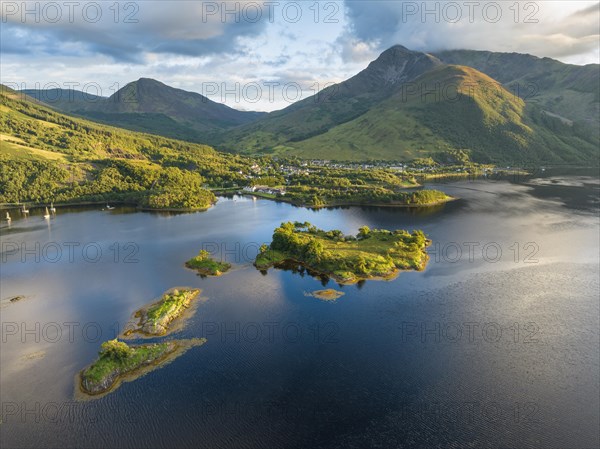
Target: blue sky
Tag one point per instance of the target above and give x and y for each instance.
(258, 55)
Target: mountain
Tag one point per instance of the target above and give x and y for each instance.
(453, 107)
(30, 129)
(150, 106)
(405, 104)
(332, 106)
(566, 90)
(409, 104)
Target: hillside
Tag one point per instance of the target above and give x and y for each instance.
(333, 106)
(469, 111)
(569, 91)
(150, 106)
(401, 114)
(48, 156)
(502, 108)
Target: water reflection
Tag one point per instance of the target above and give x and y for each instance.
(320, 375)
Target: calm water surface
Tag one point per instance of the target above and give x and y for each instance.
(495, 344)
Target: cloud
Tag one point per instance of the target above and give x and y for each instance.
(188, 43)
(129, 33)
(554, 29)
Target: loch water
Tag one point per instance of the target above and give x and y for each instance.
(495, 344)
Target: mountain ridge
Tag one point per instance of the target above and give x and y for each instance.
(363, 117)
(148, 105)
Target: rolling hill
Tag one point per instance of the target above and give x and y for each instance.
(150, 106)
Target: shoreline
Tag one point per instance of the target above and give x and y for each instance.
(13, 206)
(341, 281)
(354, 204)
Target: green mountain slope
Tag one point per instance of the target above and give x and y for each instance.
(150, 106)
(331, 107)
(569, 91)
(448, 108)
(48, 156)
(505, 108)
(408, 104)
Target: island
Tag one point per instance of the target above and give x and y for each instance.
(371, 254)
(119, 362)
(158, 318)
(328, 294)
(205, 265)
(316, 197)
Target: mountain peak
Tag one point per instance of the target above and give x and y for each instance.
(148, 82)
(398, 64)
(398, 49)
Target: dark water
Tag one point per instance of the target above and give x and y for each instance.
(495, 344)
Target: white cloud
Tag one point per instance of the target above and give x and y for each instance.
(547, 28)
(187, 44)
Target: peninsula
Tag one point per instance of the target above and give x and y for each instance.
(371, 254)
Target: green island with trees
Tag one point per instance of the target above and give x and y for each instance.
(317, 197)
(158, 318)
(371, 254)
(118, 362)
(205, 265)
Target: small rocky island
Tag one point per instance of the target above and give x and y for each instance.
(328, 294)
(371, 254)
(119, 362)
(158, 318)
(205, 265)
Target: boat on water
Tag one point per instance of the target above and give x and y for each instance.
(8, 217)
(47, 214)
(24, 210)
(109, 207)
(52, 208)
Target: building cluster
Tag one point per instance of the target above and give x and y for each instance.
(265, 189)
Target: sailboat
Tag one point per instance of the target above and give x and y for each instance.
(109, 207)
(24, 210)
(52, 209)
(8, 217)
(47, 214)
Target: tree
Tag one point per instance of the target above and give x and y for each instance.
(314, 250)
(203, 254)
(363, 232)
(115, 349)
